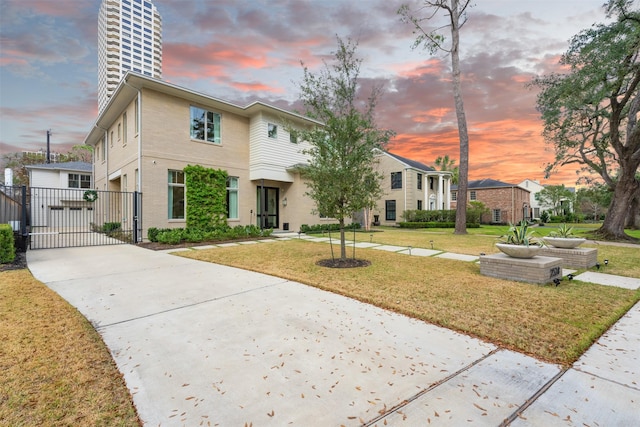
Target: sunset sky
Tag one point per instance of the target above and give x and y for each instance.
(247, 50)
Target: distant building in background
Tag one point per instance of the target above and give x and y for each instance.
(507, 203)
(41, 154)
(129, 38)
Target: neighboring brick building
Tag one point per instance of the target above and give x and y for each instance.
(507, 203)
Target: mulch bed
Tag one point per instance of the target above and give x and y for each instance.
(343, 263)
(18, 263)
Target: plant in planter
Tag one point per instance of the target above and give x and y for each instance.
(520, 242)
(564, 238)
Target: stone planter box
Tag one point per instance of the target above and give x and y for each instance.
(519, 251)
(538, 270)
(564, 242)
(573, 258)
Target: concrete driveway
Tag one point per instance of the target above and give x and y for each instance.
(204, 344)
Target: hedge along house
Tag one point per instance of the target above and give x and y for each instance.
(409, 185)
(151, 130)
(507, 203)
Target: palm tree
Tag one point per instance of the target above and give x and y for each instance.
(447, 164)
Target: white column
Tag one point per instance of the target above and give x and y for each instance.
(439, 196)
(447, 192)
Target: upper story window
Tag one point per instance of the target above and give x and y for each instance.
(272, 131)
(205, 125)
(473, 195)
(396, 180)
(293, 137)
(77, 180)
(419, 181)
(454, 196)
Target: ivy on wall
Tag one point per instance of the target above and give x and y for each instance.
(206, 197)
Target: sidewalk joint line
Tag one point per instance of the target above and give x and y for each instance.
(97, 327)
(507, 421)
(430, 388)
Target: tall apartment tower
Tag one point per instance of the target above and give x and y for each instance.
(129, 38)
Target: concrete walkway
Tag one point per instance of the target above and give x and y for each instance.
(204, 344)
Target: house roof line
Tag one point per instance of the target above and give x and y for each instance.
(132, 82)
(413, 164)
(70, 166)
(488, 183)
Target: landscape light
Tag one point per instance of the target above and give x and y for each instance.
(598, 265)
(431, 241)
(370, 237)
(606, 262)
(570, 276)
(482, 254)
(409, 250)
(556, 281)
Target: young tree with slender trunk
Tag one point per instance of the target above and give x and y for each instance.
(590, 113)
(434, 41)
(341, 176)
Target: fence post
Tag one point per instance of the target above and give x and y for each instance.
(24, 217)
(135, 217)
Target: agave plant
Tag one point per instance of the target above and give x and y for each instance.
(563, 231)
(520, 235)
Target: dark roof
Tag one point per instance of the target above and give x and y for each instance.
(71, 166)
(412, 163)
(485, 183)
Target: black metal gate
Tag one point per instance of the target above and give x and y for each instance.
(62, 218)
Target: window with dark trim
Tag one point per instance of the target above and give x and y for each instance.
(79, 180)
(419, 181)
(473, 195)
(176, 194)
(419, 207)
(272, 131)
(396, 180)
(390, 210)
(205, 125)
(454, 196)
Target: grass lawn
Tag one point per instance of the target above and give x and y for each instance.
(555, 324)
(54, 368)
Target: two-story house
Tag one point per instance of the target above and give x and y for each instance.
(507, 203)
(409, 185)
(151, 130)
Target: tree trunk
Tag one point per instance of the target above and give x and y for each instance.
(620, 207)
(463, 178)
(633, 216)
(343, 245)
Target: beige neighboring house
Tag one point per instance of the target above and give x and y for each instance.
(151, 130)
(409, 185)
(57, 191)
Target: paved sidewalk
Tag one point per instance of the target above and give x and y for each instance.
(200, 343)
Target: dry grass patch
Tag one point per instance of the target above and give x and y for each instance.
(553, 324)
(54, 367)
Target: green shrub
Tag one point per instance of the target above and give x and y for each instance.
(319, 228)
(7, 245)
(434, 225)
(174, 236)
(108, 227)
(544, 216)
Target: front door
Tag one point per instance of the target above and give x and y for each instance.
(268, 213)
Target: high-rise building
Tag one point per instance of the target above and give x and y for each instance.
(129, 38)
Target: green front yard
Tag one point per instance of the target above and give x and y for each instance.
(556, 324)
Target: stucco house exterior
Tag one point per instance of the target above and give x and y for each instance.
(151, 130)
(507, 203)
(409, 185)
(57, 191)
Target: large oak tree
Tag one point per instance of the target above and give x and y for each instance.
(590, 112)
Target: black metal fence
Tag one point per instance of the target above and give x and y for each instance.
(60, 218)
